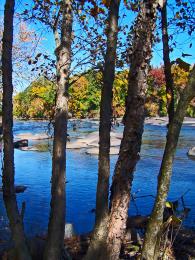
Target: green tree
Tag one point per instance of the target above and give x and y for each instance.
(36, 101)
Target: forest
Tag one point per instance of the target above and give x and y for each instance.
(38, 100)
(93, 59)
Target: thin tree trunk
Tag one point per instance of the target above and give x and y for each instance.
(106, 114)
(167, 63)
(9, 196)
(55, 240)
(102, 192)
(134, 120)
(156, 219)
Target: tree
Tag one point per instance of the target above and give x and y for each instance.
(36, 101)
(167, 63)
(56, 225)
(155, 225)
(133, 120)
(104, 132)
(26, 45)
(9, 196)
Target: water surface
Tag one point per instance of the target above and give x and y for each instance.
(33, 169)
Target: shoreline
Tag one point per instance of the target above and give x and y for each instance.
(161, 121)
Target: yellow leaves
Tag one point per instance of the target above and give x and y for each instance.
(36, 101)
(36, 108)
(168, 204)
(78, 96)
(119, 92)
(151, 108)
(180, 76)
(168, 96)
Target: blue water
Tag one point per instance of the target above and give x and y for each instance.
(33, 169)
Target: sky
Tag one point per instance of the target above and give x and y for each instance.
(47, 44)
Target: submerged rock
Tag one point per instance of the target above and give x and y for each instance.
(30, 148)
(191, 152)
(92, 141)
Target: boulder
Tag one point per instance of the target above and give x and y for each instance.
(21, 143)
(76, 145)
(191, 152)
(95, 151)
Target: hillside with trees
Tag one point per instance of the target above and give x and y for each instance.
(38, 100)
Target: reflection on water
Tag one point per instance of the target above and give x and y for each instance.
(33, 169)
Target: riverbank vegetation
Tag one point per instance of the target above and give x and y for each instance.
(134, 92)
(38, 100)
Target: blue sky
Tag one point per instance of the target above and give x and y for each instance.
(48, 45)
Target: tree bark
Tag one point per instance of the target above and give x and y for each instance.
(167, 63)
(102, 192)
(55, 240)
(106, 114)
(156, 218)
(132, 136)
(9, 196)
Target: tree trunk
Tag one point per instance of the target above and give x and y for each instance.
(56, 225)
(9, 196)
(134, 120)
(167, 63)
(106, 114)
(156, 218)
(102, 192)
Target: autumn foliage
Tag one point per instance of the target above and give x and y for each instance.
(38, 100)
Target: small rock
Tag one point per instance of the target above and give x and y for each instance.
(191, 152)
(69, 230)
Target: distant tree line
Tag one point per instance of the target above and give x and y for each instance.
(38, 100)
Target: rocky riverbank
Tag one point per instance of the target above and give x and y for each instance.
(89, 142)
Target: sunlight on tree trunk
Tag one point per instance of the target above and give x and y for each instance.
(100, 230)
(156, 219)
(56, 225)
(134, 120)
(9, 196)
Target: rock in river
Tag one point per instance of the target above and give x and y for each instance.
(69, 230)
(95, 151)
(191, 152)
(21, 143)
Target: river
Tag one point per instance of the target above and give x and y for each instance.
(33, 169)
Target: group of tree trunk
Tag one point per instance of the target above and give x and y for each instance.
(111, 212)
